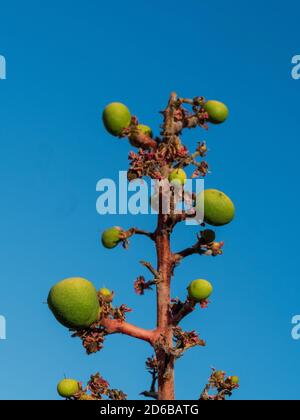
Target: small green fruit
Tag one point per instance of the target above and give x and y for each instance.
(218, 208)
(116, 117)
(74, 303)
(105, 292)
(217, 111)
(67, 388)
(200, 290)
(178, 177)
(106, 295)
(111, 237)
(144, 129)
(234, 380)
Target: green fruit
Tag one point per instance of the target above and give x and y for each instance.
(74, 303)
(142, 128)
(218, 208)
(217, 111)
(178, 177)
(200, 290)
(234, 380)
(111, 237)
(106, 295)
(105, 292)
(116, 117)
(67, 388)
(145, 130)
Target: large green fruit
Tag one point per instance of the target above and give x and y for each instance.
(67, 388)
(116, 117)
(218, 208)
(74, 303)
(217, 111)
(111, 237)
(200, 290)
(142, 128)
(178, 177)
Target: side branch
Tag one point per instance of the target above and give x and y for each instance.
(114, 326)
(135, 231)
(182, 309)
(151, 269)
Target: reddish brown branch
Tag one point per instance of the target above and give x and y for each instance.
(114, 326)
(136, 231)
(143, 141)
(181, 310)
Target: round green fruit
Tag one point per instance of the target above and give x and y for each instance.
(145, 130)
(111, 237)
(116, 117)
(106, 295)
(67, 388)
(217, 111)
(74, 303)
(178, 177)
(200, 290)
(218, 208)
(234, 380)
(142, 128)
(105, 292)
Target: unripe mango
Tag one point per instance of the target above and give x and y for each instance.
(116, 117)
(178, 177)
(200, 290)
(218, 208)
(111, 237)
(217, 111)
(74, 303)
(67, 388)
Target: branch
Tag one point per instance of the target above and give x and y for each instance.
(151, 269)
(219, 387)
(135, 231)
(140, 139)
(204, 246)
(152, 367)
(182, 309)
(195, 249)
(114, 326)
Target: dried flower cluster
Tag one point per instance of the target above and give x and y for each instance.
(99, 389)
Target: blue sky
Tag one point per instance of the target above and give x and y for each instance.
(65, 61)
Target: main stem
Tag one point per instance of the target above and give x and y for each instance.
(164, 322)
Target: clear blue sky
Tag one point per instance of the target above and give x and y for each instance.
(65, 61)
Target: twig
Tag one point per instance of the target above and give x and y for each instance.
(151, 269)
